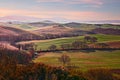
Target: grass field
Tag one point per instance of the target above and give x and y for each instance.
(25, 27)
(84, 60)
(44, 44)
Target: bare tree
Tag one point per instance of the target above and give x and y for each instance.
(65, 59)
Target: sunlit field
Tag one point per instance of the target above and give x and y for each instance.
(84, 60)
(44, 44)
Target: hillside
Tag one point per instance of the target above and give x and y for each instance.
(56, 29)
(60, 30)
(83, 60)
(44, 44)
(43, 23)
(13, 34)
(7, 46)
(88, 27)
(4, 31)
(81, 26)
(107, 31)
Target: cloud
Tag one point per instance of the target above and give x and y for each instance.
(92, 2)
(96, 2)
(50, 0)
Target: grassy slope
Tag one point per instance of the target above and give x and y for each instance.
(98, 59)
(86, 27)
(25, 27)
(44, 44)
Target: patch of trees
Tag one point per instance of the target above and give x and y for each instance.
(74, 45)
(28, 37)
(102, 45)
(90, 39)
(100, 74)
(10, 69)
(20, 57)
(70, 34)
(21, 37)
(107, 31)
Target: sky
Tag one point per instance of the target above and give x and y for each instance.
(61, 10)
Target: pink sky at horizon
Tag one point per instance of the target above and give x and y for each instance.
(70, 15)
(71, 10)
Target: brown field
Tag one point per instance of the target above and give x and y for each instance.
(115, 44)
(53, 30)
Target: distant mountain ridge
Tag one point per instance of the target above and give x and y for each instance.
(105, 22)
(43, 23)
(19, 18)
(48, 20)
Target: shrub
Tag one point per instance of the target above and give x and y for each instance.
(99, 74)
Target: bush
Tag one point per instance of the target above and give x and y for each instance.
(99, 74)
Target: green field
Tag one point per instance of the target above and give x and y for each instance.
(84, 60)
(44, 44)
(25, 27)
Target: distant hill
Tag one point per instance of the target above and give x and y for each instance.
(107, 31)
(81, 26)
(60, 31)
(42, 23)
(54, 29)
(12, 34)
(105, 22)
(73, 24)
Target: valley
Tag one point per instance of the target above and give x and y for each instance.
(85, 47)
(59, 39)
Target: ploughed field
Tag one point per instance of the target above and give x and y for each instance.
(83, 60)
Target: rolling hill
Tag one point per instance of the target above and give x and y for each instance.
(13, 34)
(107, 31)
(43, 23)
(55, 29)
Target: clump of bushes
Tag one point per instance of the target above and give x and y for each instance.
(99, 74)
(12, 69)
